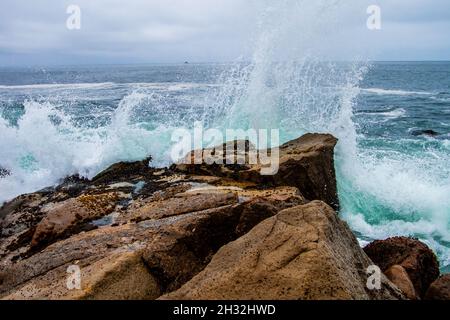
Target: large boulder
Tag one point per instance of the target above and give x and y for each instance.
(306, 163)
(439, 289)
(305, 252)
(415, 257)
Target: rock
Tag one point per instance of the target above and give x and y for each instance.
(43, 275)
(252, 213)
(254, 205)
(11, 206)
(173, 249)
(20, 214)
(281, 197)
(304, 252)
(416, 258)
(4, 172)
(306, 163)
(398, 276)
(228, 160)
(120, 276)
(124, 171)
(439, 289)
(73, 186)
(182, 204)
(181, 252)
(64, 218)
(430, 133)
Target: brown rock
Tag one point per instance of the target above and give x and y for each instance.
(173, 250)
(119, 276)
(306, 163)
(47, 268)
(124, 171)
(122, 276)
(22, 204)
(228, 158)
(18, 223)
(63, 218)
(252, 213)
(182, 204)
(281, 197)
(44, 274)
(183, 250)
(255, 204)
(416, 258)
(304, 252)
(398, 276)
(439, 289)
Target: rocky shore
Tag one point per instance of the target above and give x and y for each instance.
(204, 232)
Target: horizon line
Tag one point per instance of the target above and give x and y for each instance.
(193, 63)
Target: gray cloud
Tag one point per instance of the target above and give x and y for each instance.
(133, 31)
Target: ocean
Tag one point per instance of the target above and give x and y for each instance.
(392, 180)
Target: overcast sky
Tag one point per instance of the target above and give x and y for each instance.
(159, 31)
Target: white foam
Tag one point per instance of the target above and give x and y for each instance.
(39, 151)
(169, 86)
(59, 86)
(396, 113)
(441, 99)
(394, 92)
(398, 228)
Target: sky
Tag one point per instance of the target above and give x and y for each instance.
(172, 31)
